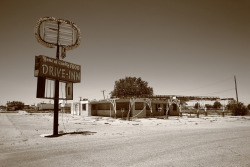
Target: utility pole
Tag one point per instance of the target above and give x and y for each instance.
(236, 90)
(103, 93)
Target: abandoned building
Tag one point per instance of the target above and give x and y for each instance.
(168, 105)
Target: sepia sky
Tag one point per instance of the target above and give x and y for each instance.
(180, 47)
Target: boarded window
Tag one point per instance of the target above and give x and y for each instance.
(93, 107)
(104, 106)
(122, 105)
(174, 107)
(139, 105)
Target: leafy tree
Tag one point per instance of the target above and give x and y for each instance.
(131, 86)
(18, 105)
(217, 105)
(239, 109)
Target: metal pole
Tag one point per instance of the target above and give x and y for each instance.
(56, 98)
(56, 101)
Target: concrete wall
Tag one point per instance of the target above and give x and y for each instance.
(120, 114)
(46, 106)
(105, 113)
(139, 110)
(139, 113)
(89, 109)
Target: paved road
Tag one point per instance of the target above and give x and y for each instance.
(192, 147)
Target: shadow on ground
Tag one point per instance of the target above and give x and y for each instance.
(72, 133)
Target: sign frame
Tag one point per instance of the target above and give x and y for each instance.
(55, 69)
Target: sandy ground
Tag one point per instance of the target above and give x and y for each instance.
(104, 141)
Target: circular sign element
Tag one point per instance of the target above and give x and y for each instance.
(52, 32)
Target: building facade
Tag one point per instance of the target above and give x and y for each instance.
(127, 107)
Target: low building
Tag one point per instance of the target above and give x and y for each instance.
(50, 107)
(141, 107)
(132, 107)
(82, 108)
(45, 106)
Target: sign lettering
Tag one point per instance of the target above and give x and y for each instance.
(57, 69)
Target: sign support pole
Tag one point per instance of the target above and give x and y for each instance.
(56, 99)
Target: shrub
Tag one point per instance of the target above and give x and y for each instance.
(248, 106)
(217, 105)
(208, 106)
(239, 109)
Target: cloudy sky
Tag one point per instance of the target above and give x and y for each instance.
(180, 47)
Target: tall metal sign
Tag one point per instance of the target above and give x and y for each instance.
(64, 35)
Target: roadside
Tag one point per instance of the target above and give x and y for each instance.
(20, 129)
(104, 141)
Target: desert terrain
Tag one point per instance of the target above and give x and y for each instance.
(104, 141)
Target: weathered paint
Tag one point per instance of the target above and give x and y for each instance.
(48, 67)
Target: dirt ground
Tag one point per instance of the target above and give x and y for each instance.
(104, 141)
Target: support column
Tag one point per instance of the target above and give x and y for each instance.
(56, 100)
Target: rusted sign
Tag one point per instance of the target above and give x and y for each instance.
(51, 32)
(48, 67)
